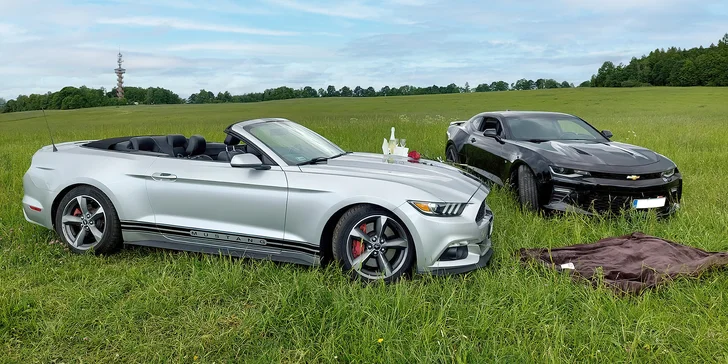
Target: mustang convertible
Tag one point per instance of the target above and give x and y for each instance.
(560, 162)
(273, 190)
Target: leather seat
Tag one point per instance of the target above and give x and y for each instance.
(196, 148)
(146, 144)
(178, 143)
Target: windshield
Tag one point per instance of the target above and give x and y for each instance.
(292, 142)
(551, 127)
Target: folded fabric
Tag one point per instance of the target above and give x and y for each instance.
(629, 263)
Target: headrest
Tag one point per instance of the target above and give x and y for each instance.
(142, 143)
(176, 140)
(231, 140)
(196, 145)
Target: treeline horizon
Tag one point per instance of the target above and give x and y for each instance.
(672, 67)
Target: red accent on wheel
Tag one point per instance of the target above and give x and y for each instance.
(77, 212)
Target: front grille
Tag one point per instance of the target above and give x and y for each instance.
(623, 177)
(481, 213)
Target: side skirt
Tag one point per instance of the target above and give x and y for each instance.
(276, 252)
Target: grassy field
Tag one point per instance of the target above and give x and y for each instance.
(148, 305)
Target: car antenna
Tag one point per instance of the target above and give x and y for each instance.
(49, 130)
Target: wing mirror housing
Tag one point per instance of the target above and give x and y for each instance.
(607, 134)
(247, 160)
(491, 133)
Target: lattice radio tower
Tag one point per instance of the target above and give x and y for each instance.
(119, 77)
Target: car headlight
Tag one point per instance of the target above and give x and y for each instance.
(439, 208)
(568, 172)
(668, 173)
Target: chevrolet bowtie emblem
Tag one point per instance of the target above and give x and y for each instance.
(633, 177)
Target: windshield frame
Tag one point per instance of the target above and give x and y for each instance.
(334, 149)
(599, 137)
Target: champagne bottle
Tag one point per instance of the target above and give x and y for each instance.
(392, 142)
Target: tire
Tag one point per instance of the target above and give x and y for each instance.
(527, 189)
(100, 226)
(451, 154)
(367, 258)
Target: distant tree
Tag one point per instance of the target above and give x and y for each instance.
(466, 88)
(331, 91)
(540, 83)
(2, 104)
(524, 84)
(499, 86)
(566, 84)
(483, 87)
(370, 92)
(345, 92)
(358, 91)
(384, 91)
(586, 83)
(309, 91)
(551, 83)
(321, 92)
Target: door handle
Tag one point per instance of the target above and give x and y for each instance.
(163, 176)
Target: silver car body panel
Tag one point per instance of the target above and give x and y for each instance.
(278, 213)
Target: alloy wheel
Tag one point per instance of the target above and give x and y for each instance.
(377, 247)
(84, 222)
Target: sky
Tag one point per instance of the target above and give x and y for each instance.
(248, 46)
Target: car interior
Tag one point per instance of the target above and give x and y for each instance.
(195, 147)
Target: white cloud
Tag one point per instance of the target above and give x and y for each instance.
(181, 24)
(255, 50)
(344, 9)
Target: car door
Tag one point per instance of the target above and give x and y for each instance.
(202, 197)
(486, 152)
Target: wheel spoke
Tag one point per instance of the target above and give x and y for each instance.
(79, 238)
(98, 213)
(384, 265)
(360, 260)
(357, 233)
(380, 226)
(97, 233)
(70, 219)
(395, 243)
(82, 204)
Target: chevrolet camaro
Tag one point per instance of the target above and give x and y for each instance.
(272, 190)
(560, 162)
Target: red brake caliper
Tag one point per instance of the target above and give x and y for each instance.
(77, 212)
(358, 246)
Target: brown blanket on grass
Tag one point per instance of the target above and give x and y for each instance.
(630, 263)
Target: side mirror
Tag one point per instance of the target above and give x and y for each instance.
(491, 133)
(247, 160)
(607, 134)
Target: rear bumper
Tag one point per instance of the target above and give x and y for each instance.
(600, 196)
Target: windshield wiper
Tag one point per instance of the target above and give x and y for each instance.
(321, 159)
(538, 140)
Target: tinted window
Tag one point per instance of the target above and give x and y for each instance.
(493, 123)
(551, 127)
(477, 123)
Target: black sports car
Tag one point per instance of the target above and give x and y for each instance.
(560, 162)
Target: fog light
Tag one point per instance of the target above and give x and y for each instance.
(454, 253)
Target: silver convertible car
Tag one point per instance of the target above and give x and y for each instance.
(273, 190)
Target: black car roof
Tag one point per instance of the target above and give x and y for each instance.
(515, 113)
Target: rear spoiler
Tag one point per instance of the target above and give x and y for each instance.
(458, 122)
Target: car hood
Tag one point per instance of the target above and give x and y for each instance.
(585, 152)
(443, 181)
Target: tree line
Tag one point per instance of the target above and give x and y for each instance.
(672, 67)
(82, 97)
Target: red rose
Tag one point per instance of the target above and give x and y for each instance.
(414, 155)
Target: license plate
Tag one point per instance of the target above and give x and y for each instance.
(648, 203)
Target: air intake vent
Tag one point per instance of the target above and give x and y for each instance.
(481, 213)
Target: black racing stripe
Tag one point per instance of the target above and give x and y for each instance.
(185, 232)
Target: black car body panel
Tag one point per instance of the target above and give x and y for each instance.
(618, 172)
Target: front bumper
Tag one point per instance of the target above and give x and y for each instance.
(608, 196)
(451, 245)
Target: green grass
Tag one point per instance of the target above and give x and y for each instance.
(148, 305)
